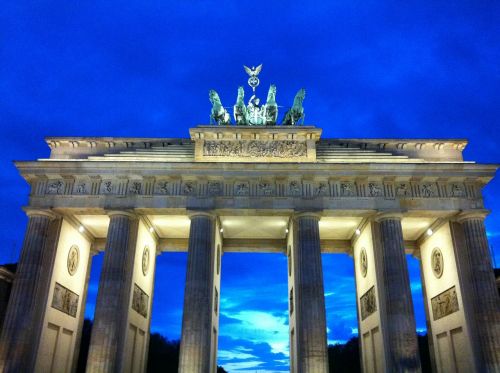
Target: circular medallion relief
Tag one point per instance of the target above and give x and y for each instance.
(437, 262)
(145, 260)
(73, 259)
(363, 262)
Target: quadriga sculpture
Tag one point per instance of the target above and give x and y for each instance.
(296, 112)
(240, 110)
(219, 114)
(271, 110)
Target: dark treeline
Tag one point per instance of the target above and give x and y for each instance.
(164, 354)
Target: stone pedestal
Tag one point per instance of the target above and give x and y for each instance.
(396, 305)
(310, 318)
(474, 260)
(23, 320)
(107, 344)
(196, 339)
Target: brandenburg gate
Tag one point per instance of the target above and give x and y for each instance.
(253, 187)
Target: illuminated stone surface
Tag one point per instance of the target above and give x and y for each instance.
(246, 187)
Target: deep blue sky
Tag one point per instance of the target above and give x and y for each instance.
(136, 68)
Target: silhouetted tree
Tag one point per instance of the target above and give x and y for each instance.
(163, 354)
(344, 358)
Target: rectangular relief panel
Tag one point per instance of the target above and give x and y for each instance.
(444, 304)
(65, 300)
(140, 301)
(368, 303)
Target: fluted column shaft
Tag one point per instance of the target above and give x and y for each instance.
(312, 354)
(196, 336)
(107, 343)
(484, 297)
(396, 303)
(22, 323)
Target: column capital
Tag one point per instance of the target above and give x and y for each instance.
(472, 214)
(127, 213)
(307, 214)
(382, 215)
(40, 212)
(195, 213)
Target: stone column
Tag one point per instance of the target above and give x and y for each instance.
(396, 305)
(310, 318)
(474, 261)
(107, 343)
(196, 336)
(24, 317)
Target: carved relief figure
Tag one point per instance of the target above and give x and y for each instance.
(347, 189)
(65, 300)
(437, 262)
(265, 188)
(145, 260)
(321, 189)
(55, 187)
(254, 148)
(73, 259)
(402, 190)
(81, 188)
(189, 188)
(214, 188)
(363, 262)
(457, 191)
(135, 188)
(374, 190)
(241, 189)
(294, 188)
(444, 304)
(368, 303)
(428, 190)
(163, 187)
(140, 301)
(108, 187)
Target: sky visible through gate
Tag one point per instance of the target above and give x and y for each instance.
(371, 69)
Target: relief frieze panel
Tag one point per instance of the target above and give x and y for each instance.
(55, 187)
(444, 304)
(163, 187)
(254, 148)
(368, 303)
(295, 188)
(266, 187)
(65, 300)
(189, 188)
(241, 188)
(135, 187)
(140, 301)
